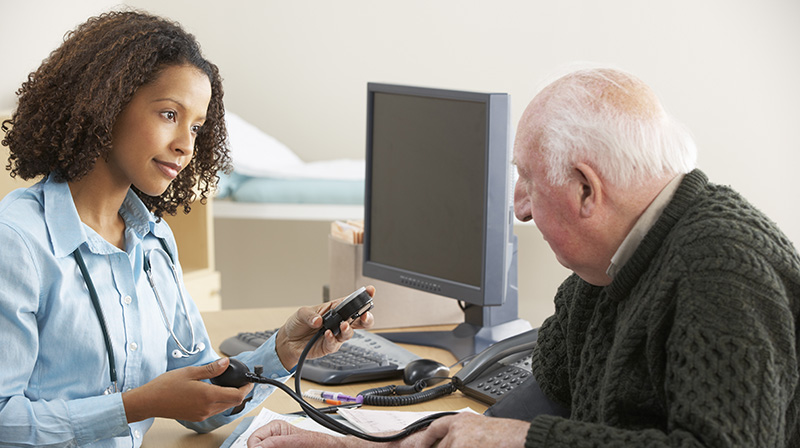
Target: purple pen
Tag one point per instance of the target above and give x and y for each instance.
(325, 395)
(341, 397)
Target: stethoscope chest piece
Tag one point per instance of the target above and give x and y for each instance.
(178, 354)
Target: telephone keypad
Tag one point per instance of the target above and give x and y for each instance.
(510, 373)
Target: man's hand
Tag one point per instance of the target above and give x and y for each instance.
(304, 324)
(466, 429)
(180, 394)
(281, 434)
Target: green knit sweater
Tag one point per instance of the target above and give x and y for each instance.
(694, 343)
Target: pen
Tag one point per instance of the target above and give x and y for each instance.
(312, 396)
(336, 396)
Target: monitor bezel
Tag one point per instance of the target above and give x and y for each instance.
(497, 223)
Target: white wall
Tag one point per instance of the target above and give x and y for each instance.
(29, 31)
(729, 69)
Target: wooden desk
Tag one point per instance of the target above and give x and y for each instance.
(226, 323)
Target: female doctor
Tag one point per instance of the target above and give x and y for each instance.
(125, 122)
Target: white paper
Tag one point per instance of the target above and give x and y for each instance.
(367, 420)
(376, 421)
(266, 416)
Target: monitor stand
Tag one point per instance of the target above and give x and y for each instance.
(482, 326)
(465, 340)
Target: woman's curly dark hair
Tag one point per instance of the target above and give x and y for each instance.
(68, 106)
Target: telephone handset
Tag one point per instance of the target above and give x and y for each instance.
(499, 369)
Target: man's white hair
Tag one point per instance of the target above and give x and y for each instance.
(612, 121)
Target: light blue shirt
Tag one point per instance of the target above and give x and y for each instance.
(55, 364)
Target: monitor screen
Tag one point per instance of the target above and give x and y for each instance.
(431, 222)
(438, 214)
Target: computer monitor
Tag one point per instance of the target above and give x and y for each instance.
(438, 211)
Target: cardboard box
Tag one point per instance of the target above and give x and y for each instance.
(394, 306)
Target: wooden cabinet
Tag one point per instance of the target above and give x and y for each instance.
(194, 234)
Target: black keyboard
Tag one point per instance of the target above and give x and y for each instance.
(365, 357)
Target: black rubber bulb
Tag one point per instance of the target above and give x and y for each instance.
(234, 376)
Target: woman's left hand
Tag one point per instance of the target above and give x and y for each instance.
(293, 336)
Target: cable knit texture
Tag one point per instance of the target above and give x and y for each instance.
(693, 344)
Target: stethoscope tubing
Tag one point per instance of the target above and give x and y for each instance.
(182, 351)
(100, 316)
(196, 348)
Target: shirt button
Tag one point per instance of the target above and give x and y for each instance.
(137, 434)
(133, 346)
(127, 300)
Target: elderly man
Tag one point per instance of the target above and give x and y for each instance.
(678, 326)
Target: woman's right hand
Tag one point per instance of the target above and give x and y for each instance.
(181, 394)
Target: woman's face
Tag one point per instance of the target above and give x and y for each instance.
(153, 137)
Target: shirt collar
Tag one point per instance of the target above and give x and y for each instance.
(642, 226)
(67, 231)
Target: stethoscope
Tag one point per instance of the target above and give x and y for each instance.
(181, 351)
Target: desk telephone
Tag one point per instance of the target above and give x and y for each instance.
(499, 369)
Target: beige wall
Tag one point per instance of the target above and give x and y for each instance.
(727, 68)
(298, 69)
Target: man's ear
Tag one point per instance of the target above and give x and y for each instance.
(591, 189)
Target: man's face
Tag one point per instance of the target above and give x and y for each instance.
(550, 207)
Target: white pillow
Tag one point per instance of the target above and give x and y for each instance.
(337, 169)
(256, 154)
(253, 152)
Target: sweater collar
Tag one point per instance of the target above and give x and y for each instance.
(642, 226)
(684, 197)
